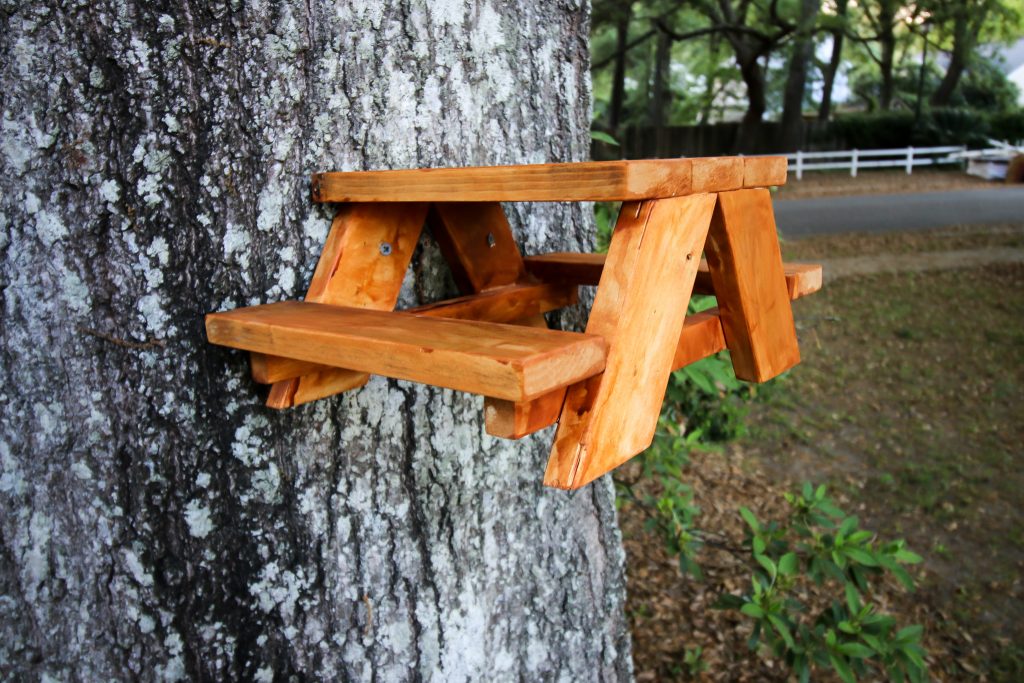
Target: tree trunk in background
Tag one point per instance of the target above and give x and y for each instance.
(750, 126)
(887, 46)
(796, 77)
(157, 521)
(967, 22)
(660, 93)
(830, 71)
(619, 76)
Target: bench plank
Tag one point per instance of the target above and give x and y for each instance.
(600, 181)
(508, 304)
(506, 361)
(585, 269)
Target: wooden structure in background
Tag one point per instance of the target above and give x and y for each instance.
(603, 387)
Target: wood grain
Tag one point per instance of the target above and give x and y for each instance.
(640, 307)
(585, 269)
(352, 271)
(580, 181)
(509, 304)
(750, 284)
(506, 361)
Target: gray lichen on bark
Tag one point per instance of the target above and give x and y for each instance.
(157, 521)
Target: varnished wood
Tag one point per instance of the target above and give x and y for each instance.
(353, 270)
(585, 269)
(506, 361)
(640, 306)
(701, 337)
(764, 171)
(581, 181)
(750, 284)
(509, 304)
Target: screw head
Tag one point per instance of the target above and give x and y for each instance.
(385, 248)
(490, 240)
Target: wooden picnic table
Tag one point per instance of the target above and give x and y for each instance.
(603, 387)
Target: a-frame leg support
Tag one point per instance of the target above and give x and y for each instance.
(639, 309)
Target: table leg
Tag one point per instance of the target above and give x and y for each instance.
(639, 309)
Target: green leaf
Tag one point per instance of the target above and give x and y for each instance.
(768, 565)
(847, 627)
(783, 630)
(808, 491)
(788, 564)
(862, 556)
(906, 557)
(603, 137)
(750, 519)
(848, 525)
(910, 633)
(913, 653)
(759, 545)
(819, 495)
(752, 610)
(852, 598)
(856, 650)
(842, 668)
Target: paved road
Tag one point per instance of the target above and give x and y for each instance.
(894, 212)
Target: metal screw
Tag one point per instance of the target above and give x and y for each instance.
(385, 248)
(689, 257)
(490, 240)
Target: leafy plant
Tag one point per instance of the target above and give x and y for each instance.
(819, 543)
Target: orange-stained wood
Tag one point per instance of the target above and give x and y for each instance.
(585, 269)
(478, 244)
(564, 182)
(509, 304)
(640, 306)
(764, 171)
(506, 361)
(701, 337)
(362, 264)
(750, 284)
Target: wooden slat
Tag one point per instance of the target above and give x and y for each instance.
(580, 181)
(352, 271)
(585, 269)
(640, 306)
(750, 284)
(506, 361)
(764, 171)
(478, 244)
(509, 304)
(701, 337)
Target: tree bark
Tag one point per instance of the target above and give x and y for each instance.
(749, 135)
(796, 77)
(619, 76)
(158, 523)
(968, 18)
(660, 93)
(830, 71)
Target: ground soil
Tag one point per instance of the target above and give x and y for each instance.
(908, 404)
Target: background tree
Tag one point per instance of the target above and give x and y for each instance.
(796, 76)
(157, 521)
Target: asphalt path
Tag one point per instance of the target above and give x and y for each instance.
(895, 212)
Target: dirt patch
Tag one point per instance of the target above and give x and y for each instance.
(883, 181)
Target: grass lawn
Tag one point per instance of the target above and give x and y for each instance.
(909, 403)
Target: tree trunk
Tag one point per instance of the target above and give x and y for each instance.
(748, 137)
(829, 74)
(619, 76)
(887, 46)
(157, 521)
(964, 39)
(796, 77)
(660, 93)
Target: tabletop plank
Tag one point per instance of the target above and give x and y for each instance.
(599, 181)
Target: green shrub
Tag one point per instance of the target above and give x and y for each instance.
(1008, 126)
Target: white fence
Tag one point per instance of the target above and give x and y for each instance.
(854, 159)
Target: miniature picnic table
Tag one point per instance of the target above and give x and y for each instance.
(603, 387)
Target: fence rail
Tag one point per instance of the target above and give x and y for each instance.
(854, 159)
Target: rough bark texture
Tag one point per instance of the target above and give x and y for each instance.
(796, 77)
(157, 522)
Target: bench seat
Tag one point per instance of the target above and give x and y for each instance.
(509, 362)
